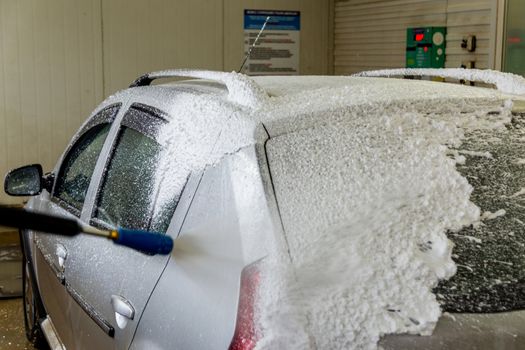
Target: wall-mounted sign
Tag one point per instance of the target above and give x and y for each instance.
(277, 50)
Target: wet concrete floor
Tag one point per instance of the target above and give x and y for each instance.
(10, 263)
(12, 334)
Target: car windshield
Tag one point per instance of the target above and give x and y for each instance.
(490, 257)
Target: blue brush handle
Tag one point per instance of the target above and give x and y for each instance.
(147, 242)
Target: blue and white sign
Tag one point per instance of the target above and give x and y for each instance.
(277, 50)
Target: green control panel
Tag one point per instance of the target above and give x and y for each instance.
(426, 47)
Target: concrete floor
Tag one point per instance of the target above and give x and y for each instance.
(10, 264)
(12, 334)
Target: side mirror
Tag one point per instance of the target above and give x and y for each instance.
(24, 181)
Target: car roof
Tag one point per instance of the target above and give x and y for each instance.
(289, 103)
(301, 102)
(254, 92)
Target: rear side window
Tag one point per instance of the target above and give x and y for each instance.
(134, 192)
(77, 168)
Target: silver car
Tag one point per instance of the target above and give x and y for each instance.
(241, 173)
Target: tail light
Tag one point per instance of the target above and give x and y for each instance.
(246, 333)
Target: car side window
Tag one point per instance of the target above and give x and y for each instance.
(133, 193)
(77, 168)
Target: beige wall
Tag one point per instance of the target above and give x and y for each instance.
(141, 36)
(372, 34)
(314, 31)
(50, 77)
(60, 58)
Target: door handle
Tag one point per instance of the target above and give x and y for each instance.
(124, 311)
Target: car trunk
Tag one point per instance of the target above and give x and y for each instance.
(482, 299)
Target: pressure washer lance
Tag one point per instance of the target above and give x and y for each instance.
(144, 241)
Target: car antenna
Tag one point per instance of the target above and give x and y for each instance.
(254, 43)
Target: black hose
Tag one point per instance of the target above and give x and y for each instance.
(23, 219)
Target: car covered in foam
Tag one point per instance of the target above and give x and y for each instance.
(306, 212)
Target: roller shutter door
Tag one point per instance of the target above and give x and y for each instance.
(371, 34)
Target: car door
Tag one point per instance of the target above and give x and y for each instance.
(73, 177)
(113, 283)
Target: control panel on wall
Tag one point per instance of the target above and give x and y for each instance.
(425, 47)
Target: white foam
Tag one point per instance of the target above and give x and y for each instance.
(367, 192)
(487, 215)
(521, 192)
(476, 153)
(366, 199)
(241, 89)
(504, 82)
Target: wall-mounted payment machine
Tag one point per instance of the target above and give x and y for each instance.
(426, 47)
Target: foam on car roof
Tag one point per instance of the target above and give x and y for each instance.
(241, 88)
(505, 82)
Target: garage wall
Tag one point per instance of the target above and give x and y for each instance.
(476, 17)
(371, 34)
(50, 78)
(314, 31)
(141, 36)
(60, 58)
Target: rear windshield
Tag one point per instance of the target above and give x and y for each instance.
(365, 177)
(491, 256)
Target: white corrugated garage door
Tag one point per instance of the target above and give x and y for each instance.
(371, 34)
